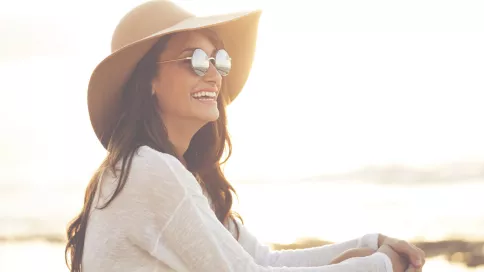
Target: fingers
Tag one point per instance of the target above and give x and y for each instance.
(413, 253)
(421, 253)
(412, 268)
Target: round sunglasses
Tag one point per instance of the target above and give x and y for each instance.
(200, 62)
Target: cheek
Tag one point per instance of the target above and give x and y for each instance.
(175, 91)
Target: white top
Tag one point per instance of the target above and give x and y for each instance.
(162, 221)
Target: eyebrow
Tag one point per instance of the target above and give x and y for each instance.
(191, 49)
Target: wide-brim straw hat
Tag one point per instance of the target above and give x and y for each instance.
(136, 34)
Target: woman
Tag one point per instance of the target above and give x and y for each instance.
(159, 201)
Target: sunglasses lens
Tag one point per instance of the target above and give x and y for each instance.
(223, 62)
(200, 62)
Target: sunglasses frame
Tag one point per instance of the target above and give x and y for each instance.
(209, 60)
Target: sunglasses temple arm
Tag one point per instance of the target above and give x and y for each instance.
(165, 61)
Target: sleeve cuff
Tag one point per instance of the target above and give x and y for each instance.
(369, 240)
(385, 259)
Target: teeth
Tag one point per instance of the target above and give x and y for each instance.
(204, 94)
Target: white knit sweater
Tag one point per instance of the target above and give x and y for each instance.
(163, 221)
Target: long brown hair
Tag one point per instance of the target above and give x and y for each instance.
(138, 125)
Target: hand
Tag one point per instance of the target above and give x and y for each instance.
(399, 262)
(413, 253)
(351, 253)
(412, 268)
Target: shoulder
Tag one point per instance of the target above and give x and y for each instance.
(147, 156)
(153, 169)
(150, 169)
(150, 161)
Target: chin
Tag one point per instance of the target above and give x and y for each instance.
(210, 117)
(206, 115)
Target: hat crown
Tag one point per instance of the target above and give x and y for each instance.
(145, 20)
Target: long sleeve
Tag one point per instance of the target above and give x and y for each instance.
(174, 223)
(316, 256)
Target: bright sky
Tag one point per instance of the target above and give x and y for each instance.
(335, 85)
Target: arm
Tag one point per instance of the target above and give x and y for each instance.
(316, 256)
(175, 224)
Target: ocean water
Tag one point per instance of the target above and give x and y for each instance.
(343, 210)
(274, 212)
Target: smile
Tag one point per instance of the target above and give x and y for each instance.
(205, 96)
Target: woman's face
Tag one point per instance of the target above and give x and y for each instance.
(176, 84)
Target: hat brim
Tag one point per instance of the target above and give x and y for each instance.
(238, 31)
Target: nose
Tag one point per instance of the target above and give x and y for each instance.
(213, 76)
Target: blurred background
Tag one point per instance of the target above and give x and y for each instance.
(358, 117)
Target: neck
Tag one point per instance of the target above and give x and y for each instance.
(180, 133)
